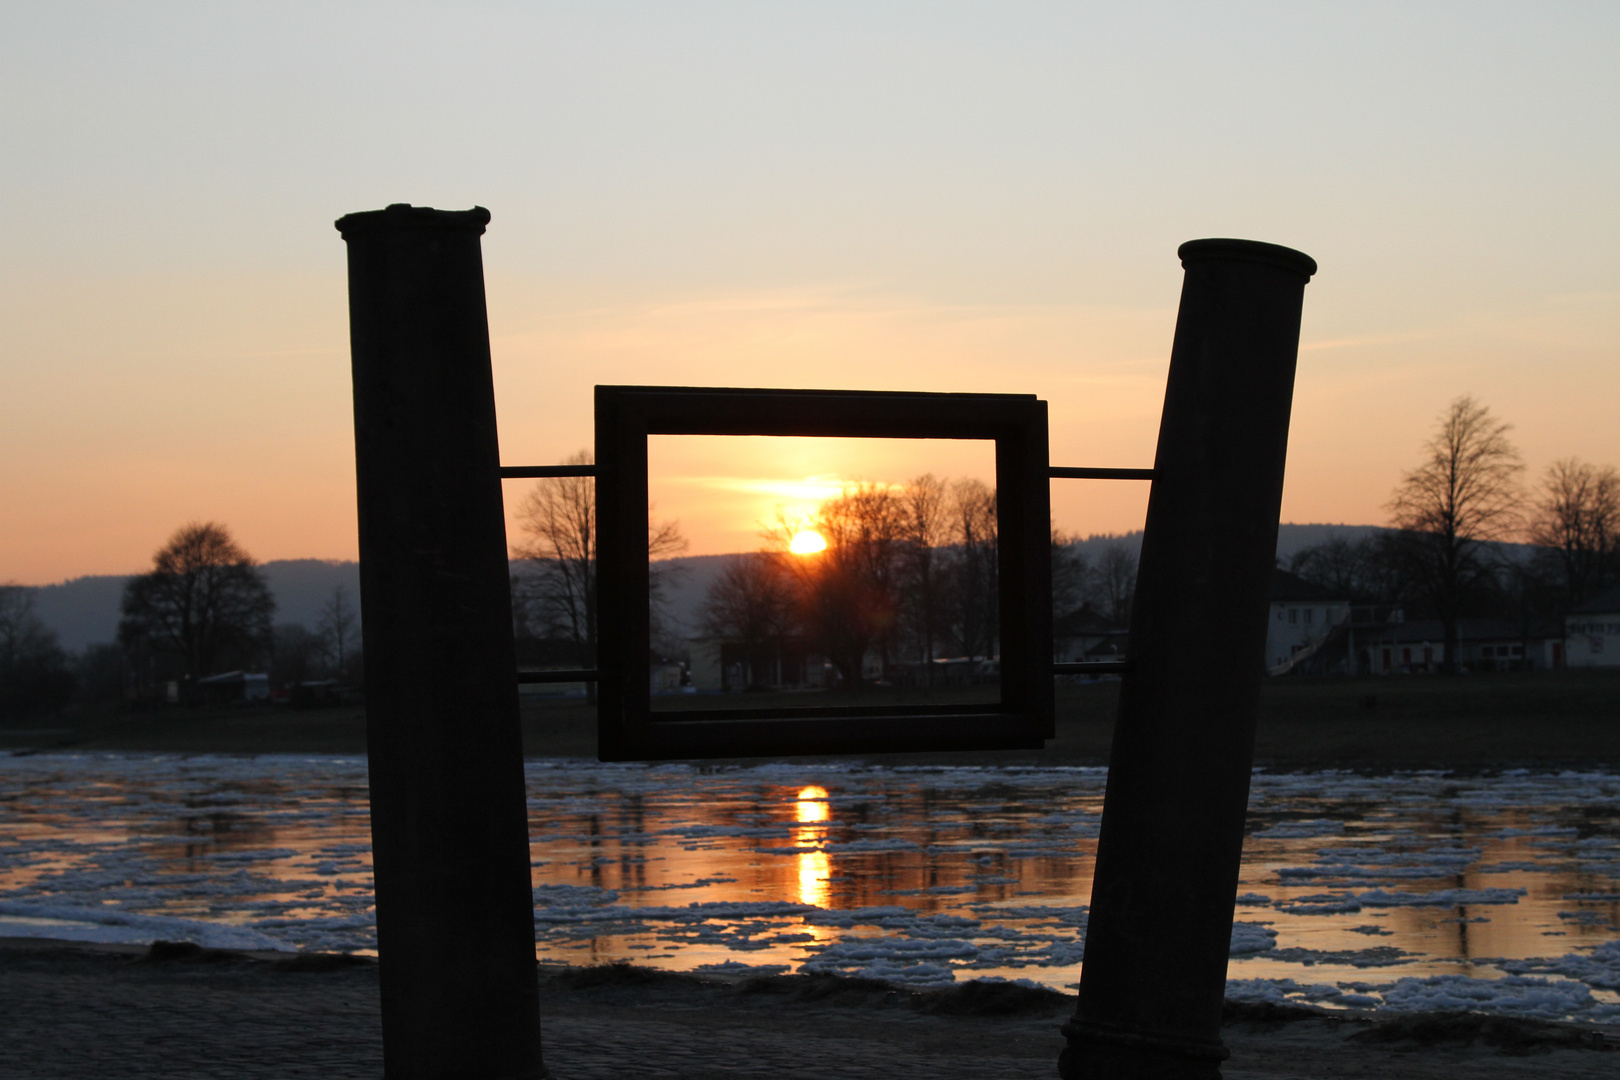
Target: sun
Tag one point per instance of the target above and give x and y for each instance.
(807, 542)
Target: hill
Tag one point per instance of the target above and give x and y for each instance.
(84, 611)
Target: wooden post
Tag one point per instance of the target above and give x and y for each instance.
(1154, 977)
(455, 916)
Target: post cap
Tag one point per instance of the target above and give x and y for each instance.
(1247, 251)
(406, 216)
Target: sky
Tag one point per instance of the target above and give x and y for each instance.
(919, 196)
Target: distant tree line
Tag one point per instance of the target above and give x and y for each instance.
(1446, 555)
(554, 609)
(909, 574)
(203, 609)
(910, 571)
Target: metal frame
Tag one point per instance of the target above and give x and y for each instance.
(628, 729)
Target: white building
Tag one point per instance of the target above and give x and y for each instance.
(1592, 632)
(1303, 618)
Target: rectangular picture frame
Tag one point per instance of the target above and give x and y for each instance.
(628, 729)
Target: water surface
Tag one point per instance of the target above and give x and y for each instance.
(1405, 891)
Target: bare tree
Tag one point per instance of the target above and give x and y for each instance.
(864, 529)
(337, 629)
(296, 655)
(204, 596)
(849, 593)
(1070, 570)
(1464, 492)
(1577, 515)
(1340, 565)
(752, 601)
(1115, 578)
(925, 529)
(34, 677)
(977, 591)
(556, 596)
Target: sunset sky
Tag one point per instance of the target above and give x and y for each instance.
(925, 196)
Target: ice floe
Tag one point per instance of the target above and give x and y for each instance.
(921, 875)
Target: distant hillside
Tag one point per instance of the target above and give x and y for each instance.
(1290, 538)
(1295, 538)
(84, 611)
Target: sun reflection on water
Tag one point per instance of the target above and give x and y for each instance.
(815, 868)
(680, 868)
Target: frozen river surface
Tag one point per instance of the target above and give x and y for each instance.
(1396, 892)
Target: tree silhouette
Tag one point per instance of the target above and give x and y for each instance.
(849, 593)
(205, 595)
(1578, 516)
(1465, 491)
(752, 601)
(34, 677)
(1114, 579)
(925, 529)
(976, 588)
(555, 597)
(337, 630)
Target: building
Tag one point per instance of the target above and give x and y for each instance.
(225, 689)
(1402, 648)
(723, 665)
(1306, 620)
(1085, 635)
(1592, 632)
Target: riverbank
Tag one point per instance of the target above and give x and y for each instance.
(76, 1011)
(1470, 723)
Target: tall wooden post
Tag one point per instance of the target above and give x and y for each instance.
(455, 917)
(1154, 977)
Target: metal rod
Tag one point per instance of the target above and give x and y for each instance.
(575, 675)
(1097, 667)
(455, 912)
(1062, 473)
(1166, 875)
(536, 472)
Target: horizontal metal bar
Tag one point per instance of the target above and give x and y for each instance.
(1058, 473)
(1095, 667)
(535, 472)
(575, 675)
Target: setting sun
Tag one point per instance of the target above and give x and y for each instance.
(807, 542)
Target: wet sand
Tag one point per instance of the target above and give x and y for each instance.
(75, 1011)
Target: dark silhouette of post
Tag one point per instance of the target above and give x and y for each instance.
(455, 916)
(1154, 977)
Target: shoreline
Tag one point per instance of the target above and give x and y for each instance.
(1467, 724)
(76, 1010)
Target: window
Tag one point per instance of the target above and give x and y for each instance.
(1293, 615)
(1021, 716)
(1309, 613)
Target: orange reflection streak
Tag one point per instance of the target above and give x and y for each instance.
(814, 866)
(812, 804)
(814, 869)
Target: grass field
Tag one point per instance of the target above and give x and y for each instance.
(1468, 723)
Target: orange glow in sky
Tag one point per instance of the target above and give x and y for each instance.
(807, 542)
(954, 197)
(728, 491)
